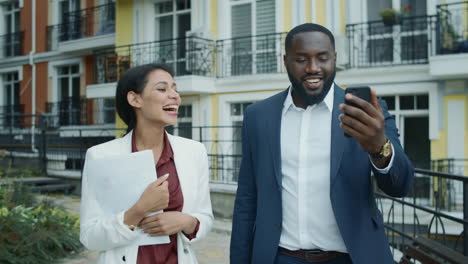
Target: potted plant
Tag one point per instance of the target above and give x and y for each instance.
(391, 16)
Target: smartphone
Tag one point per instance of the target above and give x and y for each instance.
(362, 92)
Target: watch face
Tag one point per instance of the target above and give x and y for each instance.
(387, 149)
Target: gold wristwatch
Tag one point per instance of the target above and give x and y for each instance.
(385, 151)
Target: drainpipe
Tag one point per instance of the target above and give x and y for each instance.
(33, 83)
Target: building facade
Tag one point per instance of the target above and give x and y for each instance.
(228, 54)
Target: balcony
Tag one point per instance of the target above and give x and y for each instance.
(374, 44)
(452, 41)
(80, 111)
(84, 29)
(11, 45)
(250, 55)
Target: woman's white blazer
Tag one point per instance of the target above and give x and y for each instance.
(112, 238)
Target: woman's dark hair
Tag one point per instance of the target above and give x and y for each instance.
(134, 80)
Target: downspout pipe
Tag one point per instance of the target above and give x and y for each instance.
(33, 77)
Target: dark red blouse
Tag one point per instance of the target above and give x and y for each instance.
(165, 253)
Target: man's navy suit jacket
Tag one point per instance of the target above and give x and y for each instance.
(257, 216)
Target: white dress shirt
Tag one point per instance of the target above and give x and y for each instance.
(308, 218)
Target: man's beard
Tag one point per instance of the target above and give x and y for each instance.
(315, 98)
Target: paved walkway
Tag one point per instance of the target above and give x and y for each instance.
(214, 249)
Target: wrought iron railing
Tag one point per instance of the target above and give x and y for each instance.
(80, 111)
(250, 55)
(11, 116)
(89, 22)
(11, 44)
(452, 28)
(187, 56)
(452, 166)
(376, 44)
(436, 208)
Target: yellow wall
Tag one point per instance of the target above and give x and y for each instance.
(287, 20)
(308, 10)
(439, 148)
(320, 11)
(123, 22)
(343, 17)
(123, 36)
(214, 19)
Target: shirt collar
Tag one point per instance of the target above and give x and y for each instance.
(327, 101)
(167, 153)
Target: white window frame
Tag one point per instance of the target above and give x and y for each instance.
(53, 74)
(19, 70)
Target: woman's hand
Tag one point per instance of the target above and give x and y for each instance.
(154, 198)
(168, 223)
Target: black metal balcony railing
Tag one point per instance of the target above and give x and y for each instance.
(11, 44)
(187, 56)
(437, 209)
(11, 116)
(80, 111)
(376, 44)
(196, 56)
(89, 22)
(250, 55)
(452, 28)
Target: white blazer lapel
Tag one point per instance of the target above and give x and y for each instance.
(183, 160)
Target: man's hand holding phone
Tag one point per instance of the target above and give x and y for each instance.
(363, 120)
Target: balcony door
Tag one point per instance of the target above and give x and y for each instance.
(11, 29)
(11, 107)
(69, 109)
(69, 19)
(406, 42)
(254, 45)
(172, 20)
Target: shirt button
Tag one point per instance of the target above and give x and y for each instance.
(185, 251)
(278, 225)
(123, 258)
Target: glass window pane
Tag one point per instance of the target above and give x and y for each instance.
(75, 69)
(63, 83)
(183, 4)
(165, 27)
(406, 102)
(63, 70)
(76, 87)
(163, 7)
(390, 100)
(189, 111)
(422, 101)
(235, 109)
(182, 111)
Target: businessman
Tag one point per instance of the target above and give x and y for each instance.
(305, 193)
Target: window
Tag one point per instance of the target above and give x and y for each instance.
(70, 19)
(12, 34)
(254, 54)
(237, 115)
(11, 106)
(68, 83)
(172, 21)
(184, 124)
(405, 42)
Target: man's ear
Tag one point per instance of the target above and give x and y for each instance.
(134, 99)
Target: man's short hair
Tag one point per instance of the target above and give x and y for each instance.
(307, 27)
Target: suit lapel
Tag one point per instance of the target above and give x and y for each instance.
(274, 130)
(338, 140)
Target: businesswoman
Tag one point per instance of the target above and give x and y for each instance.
(147, 101)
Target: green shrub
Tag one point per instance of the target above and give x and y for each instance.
(35, 233)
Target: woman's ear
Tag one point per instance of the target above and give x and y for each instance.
(134, 99)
